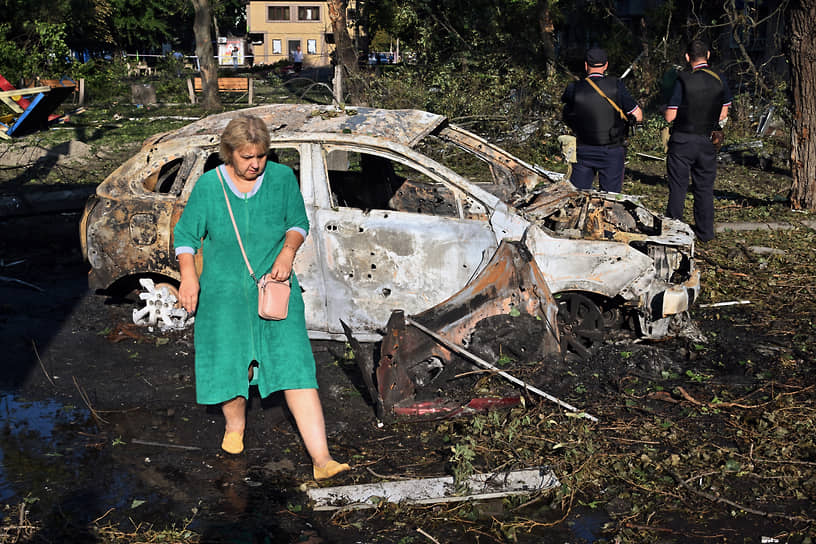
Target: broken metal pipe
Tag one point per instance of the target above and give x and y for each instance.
(484, 364)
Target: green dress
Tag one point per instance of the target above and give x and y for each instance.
(229, 334)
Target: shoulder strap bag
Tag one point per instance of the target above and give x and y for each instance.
(273, 295)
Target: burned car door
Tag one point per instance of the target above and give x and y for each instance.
(393, 234)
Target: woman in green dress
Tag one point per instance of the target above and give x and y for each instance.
(234, 347)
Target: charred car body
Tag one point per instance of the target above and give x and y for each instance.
(406, 210)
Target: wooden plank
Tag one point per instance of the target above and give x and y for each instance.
(11, 104)
(57, 83)
(27, 91)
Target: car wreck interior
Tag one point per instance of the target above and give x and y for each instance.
(590, 217)
(372, 182)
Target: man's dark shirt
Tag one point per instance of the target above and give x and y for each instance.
(580, 119)
(677, 98)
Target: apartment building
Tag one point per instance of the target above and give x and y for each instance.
(277, 27)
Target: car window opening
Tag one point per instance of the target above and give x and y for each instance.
(372, 182)
(162, 180)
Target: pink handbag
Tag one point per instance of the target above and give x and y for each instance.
(273, 298)
(273, 295)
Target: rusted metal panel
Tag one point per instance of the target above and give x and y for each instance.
(410, 359)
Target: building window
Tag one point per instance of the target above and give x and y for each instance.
(309, 13)
(277, 13)
(311, 47)
(277, 47)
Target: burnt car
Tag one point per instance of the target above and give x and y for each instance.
(406, 210)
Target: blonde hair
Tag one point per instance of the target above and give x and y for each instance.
(243, 130)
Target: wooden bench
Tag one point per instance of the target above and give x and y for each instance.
(242, 85)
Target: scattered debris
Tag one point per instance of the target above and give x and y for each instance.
(762, 250)
(411, 360)
(765, 122)
(434, 490)
(123, 331)
(484, 364)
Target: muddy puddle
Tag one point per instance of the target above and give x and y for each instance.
(57, 460)
(50, 454)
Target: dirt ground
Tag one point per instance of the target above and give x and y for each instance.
(128, 450)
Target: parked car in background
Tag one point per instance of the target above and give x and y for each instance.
(405, 210)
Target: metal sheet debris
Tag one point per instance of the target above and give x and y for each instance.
(490, 485)
(411, 360)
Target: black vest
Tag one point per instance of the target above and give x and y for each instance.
(595, 121)
(699, 112)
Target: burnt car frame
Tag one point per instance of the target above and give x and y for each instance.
(395, 226)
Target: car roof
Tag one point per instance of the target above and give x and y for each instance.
(406, 127)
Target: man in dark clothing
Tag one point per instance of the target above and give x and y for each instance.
(699, 101)
(597, 110)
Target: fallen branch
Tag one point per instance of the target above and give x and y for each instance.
(484, 364)
(164, 445)
(423, 533)
(742, 507)
(21, 282)
(84, 396)
(42, 365)
(383, 476)
(692, 400)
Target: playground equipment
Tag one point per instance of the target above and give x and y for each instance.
(32, 107)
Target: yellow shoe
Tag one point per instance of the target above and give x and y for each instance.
(233, 442)
(332, 468)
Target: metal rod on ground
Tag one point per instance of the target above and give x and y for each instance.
(484, 364)
(731, 303)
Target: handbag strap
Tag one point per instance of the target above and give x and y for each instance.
(600, 92)
(235, 226)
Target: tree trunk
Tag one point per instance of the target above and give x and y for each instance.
(802, 61)
(206, 58)
(547, 31)
(345, 54)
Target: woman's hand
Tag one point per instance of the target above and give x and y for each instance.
(188, 294)
(282, 268)
(189, 288)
